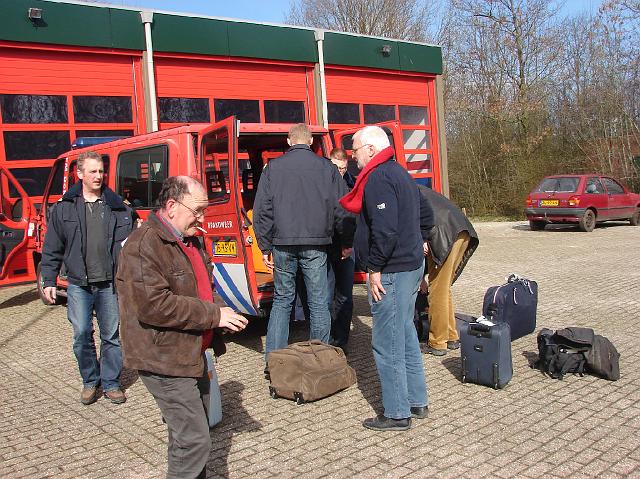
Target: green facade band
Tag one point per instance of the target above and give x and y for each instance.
(71, 24)
(119, 28)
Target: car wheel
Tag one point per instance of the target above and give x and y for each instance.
(59, 300)
(537, 225)
(588, 221)
(635, 218)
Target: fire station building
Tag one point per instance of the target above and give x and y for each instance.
(74, 69)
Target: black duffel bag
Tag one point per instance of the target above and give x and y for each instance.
(577, 350)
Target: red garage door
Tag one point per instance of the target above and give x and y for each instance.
(48, 97)
(357, 97)
(192, 90)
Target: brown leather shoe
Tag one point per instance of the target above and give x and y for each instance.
(88, 395)
(116, 396)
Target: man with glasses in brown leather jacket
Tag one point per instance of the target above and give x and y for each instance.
(169, 319)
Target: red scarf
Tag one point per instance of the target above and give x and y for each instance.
(352, 201)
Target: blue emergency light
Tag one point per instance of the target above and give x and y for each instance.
(85, 141)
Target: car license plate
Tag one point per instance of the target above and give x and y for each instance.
(548, 202)
(224, 248)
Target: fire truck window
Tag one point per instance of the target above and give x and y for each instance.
(379, 113)
(102, 109)
(414, 115)
(32, 180)
(247, 111)
(416, 139)
(35, 145)
(140, 175)
(343, 113)
(184, 110)
(347, 142)
(95, 133)
(216, 166)
(73, 175)
(419, 163)
(283, 111)
(34, 108)
(56, 181)
(425, 182)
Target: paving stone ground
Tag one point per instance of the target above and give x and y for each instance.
(536, 426)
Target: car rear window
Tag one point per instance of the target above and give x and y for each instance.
(565, 184)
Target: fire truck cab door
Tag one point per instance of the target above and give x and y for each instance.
(225, 219)
(15, 225)
(344, 139)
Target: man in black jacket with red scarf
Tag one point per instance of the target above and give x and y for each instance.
(389, 246)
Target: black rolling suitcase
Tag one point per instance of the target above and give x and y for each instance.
(421, 317)
(514, 303)
(486, 354)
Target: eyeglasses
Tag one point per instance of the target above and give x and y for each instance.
(197, 213)
(356, 149)
(342, 169)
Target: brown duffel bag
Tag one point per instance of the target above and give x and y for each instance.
(308, 370)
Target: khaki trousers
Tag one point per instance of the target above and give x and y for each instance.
(442, 321)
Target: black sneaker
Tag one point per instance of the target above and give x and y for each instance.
(383, 423)
(420, 412)
(434, 351)
(453, 344)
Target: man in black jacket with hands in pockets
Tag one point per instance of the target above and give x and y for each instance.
(295, 213)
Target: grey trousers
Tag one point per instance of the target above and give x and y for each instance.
(183, 403)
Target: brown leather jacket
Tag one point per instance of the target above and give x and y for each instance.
(162, 319)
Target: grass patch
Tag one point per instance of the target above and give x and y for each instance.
(486, 218)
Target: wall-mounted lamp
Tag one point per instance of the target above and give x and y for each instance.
(385, 50)
(34, 14)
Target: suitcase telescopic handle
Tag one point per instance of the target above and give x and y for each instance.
(479, 327)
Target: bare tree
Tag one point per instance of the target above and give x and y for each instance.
(629, 8)
(401, 19)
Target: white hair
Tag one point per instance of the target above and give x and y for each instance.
(374, 136)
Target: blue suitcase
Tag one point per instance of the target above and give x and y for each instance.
(486, 354)
(514, 303)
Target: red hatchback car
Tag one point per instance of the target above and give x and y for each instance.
(582, 199)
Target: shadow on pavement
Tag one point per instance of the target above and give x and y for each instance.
(531, 357)
(235, 420)
(568, 228)
(24, 329)
(453, 366)
(251, 336)
(20, 299)
(360, 358)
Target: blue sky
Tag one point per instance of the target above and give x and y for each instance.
(269, 10)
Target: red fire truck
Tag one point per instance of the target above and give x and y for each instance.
(228, 157)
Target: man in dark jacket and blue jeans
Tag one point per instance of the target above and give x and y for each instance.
(295, 212)
(389, 246)
(85, 231)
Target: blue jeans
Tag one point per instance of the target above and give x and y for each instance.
(395, 345)
(81, 302)
(313, 263)
(340, 278)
